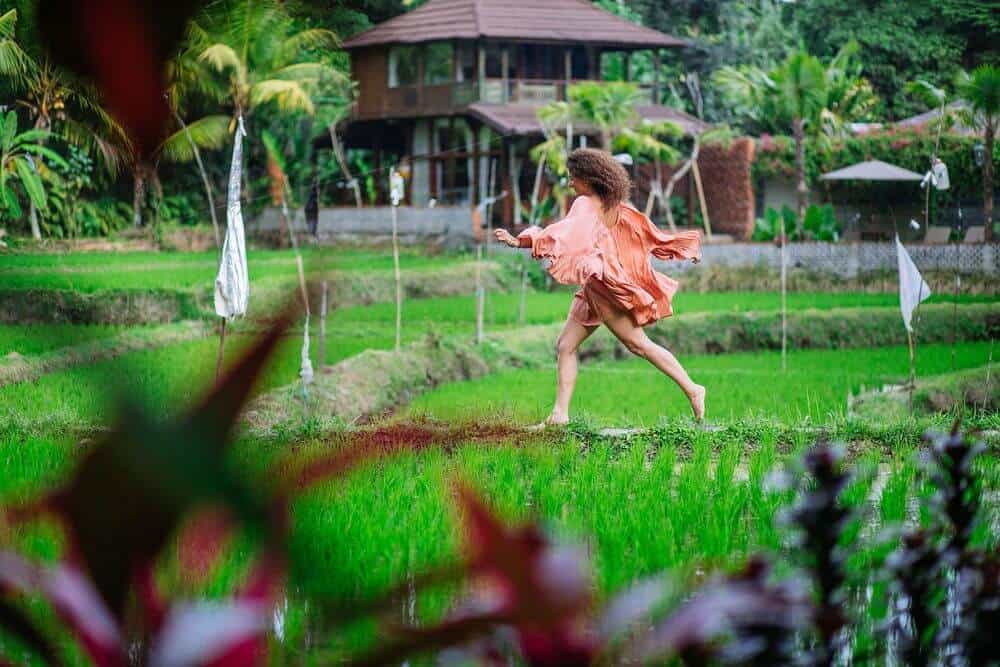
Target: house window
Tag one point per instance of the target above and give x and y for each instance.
(540, 61)
(580, 63)
(403, 66)
(494, 63)
(466, 70)
(438, 61)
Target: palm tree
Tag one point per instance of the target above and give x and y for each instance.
(609, 107)
(981, 92)
(803, 95)
(56, 100)
(17, 164)
(185, 144)
(259, 58)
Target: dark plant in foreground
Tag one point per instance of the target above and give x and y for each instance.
(950, 591)
(821, 519)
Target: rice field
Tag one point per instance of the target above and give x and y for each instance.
(40, 338)
(89, 272)
(672, 498)
(814, 388)
(692, 505)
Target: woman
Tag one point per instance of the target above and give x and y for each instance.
(603, 245)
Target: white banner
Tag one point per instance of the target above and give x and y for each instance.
(232, 285)
(912, 288)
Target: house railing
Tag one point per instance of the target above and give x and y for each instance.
(445, 98)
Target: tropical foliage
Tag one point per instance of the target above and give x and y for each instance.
(801, 95)
(981, 92)
(20, 176)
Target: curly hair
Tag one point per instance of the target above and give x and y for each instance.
(604, 174)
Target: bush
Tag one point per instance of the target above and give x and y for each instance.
(819, 224)
(907, 148)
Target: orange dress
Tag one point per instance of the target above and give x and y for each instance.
(611, 264)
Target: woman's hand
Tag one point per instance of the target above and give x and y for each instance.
(503, 236)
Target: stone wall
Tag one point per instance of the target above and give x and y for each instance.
(346, 222)
(847, 260)
(850, 259)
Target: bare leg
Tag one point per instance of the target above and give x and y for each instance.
(639, 344)
(573, 334)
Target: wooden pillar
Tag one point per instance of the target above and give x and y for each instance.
(515, 177)
(690, 200)
(504, 66)
(506, 210)
(481, 67)
(451, 165)
(568, 71)
(593, 63)
(378, 170)
(477, 186)
(656, 76)
(420, 76)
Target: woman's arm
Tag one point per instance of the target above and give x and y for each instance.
(549, 241)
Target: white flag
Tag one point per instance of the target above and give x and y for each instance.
(912, 288)
(232, 286)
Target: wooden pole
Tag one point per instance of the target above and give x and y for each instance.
(913, 367)
(222, 351)
(479, 293)
(521, 309)
(701, 199)
(322, 324)
(399, 283)
(989, 369)
(784, 301)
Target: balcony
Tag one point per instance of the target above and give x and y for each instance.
(525, 91)
(448, 98)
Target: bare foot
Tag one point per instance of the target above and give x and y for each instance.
(552, 420)
(697, 398)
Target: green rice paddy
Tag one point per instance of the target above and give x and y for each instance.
(814, 387)
(89, 272)
(672, 498)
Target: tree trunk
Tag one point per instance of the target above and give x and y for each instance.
(41, 123)
(338, 153)
(539, 172)
(801, 190)
(677, 176)
(36, 231)
(988, 181)
(138, 195)
(204, 180)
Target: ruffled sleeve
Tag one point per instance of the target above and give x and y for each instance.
(566, 244)
(662, 245)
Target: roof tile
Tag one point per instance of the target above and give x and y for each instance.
(576, 21)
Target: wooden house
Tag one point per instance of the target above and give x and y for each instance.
(453, 88)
